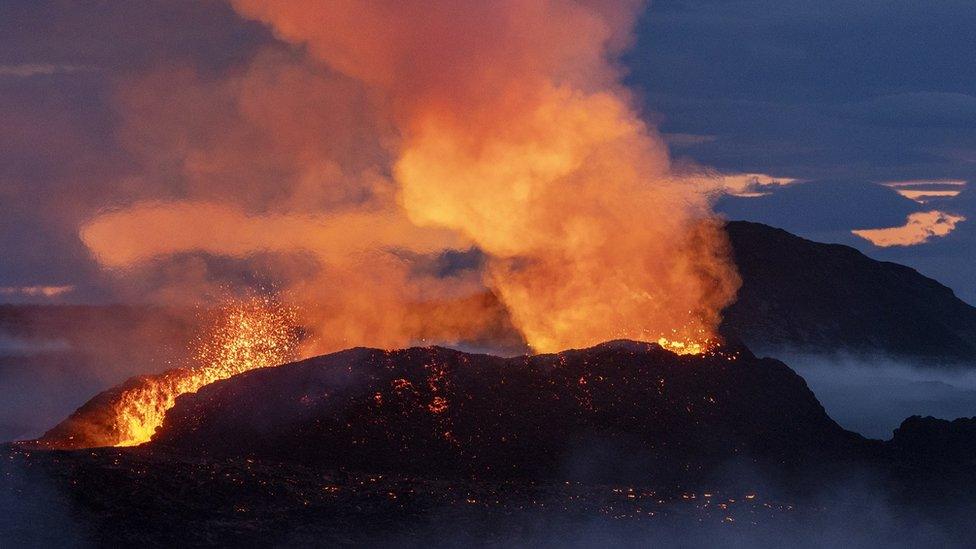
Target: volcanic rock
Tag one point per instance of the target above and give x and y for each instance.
(372, 447)
(934, 441)
(806, 295)
(620, 410)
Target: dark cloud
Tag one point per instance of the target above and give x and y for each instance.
(60, 156)
(845, 90)
(124, 36)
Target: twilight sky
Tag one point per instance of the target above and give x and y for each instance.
(841, 96)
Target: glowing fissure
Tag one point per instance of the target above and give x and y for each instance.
(250, 334)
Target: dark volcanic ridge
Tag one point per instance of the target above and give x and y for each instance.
(827, 298)
(433, 445)
(618, 412)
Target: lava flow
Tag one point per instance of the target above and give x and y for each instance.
(686, 347)
(251, 334)
(254, 333)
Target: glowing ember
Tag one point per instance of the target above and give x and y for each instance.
(685, 347)
(254, 333)
(688, 340)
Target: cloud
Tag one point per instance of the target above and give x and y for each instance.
(751, 185)
(926, 190)
(375, 138)
(124, 36)
(145, 231)
(753, 86)
(36, 291)
(769, 80)
(918, 229)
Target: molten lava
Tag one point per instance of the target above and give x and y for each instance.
(686, 347)
(254, 333)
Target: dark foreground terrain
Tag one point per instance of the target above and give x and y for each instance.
(125, 497)
(623, 443)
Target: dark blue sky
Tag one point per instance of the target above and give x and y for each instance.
(860, 89)
(855, 92)
(851, 92)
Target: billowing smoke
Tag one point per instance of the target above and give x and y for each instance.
(392, 133)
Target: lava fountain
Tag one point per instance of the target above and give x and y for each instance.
(254, 332)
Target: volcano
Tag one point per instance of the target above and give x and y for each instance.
(622, 410)
(368, 442)
(796, 295)
(618, 410)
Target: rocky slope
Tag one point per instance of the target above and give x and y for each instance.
(617, 410)
(826, 297)
(434, 446)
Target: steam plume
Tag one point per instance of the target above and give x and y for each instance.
(442, 125)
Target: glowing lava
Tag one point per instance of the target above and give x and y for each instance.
(686, 347)
(253, 333)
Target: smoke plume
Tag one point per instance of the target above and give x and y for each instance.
(389, 133)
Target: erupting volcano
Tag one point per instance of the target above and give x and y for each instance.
(473, 277)
(411, 135)
(245, 334)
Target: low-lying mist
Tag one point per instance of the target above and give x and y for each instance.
(873, 395)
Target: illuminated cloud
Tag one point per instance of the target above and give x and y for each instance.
(920, 228)
(146, 231)
(36, 291)
(924, 190)
(751, 185)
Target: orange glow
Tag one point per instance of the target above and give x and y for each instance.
(923, 196)
(254, 333)
(517, 135)
(499, 126)
(689, 347)
(924, 190)
(920, 228)
(145, 231)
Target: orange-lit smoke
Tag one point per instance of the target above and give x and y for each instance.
(441, 125)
